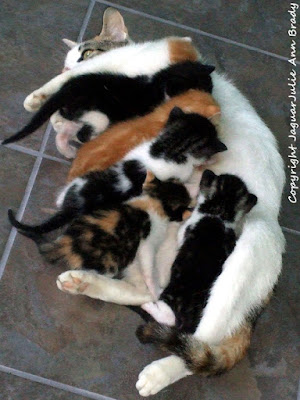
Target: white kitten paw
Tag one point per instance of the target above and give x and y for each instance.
(34, 101)
(161, 312)
(74, 282)
(152, 379)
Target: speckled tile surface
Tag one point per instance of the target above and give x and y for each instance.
(86, 343)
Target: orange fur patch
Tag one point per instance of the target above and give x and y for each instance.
(74, 260)
(181, 50)
(107, 222)
(148, 204)
(109, 148)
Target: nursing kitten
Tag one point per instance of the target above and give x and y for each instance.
(207, 239)
(109, 98)
(96, 155)
(107, 241)
(187, 140)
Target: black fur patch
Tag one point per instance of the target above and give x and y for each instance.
(118, 96)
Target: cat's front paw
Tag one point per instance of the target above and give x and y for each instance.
(34, 101)
(152, 379)
(74, 282)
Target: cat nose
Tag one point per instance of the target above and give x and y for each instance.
(65, 69)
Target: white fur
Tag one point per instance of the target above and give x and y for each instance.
(160, 374)
(161, 168)
(96, 119)
(135, 59)
(72, 57)
(77, 183)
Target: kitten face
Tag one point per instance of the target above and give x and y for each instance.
(225, 196)
(172, 194)
(114, 34)
(187, 134)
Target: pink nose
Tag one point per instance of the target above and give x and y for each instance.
(65, 69)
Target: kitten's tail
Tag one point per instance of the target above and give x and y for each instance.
(58, 100)
(58, 220)
(199, 357)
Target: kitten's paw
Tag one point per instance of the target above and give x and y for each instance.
(74, 282)
(34, 101)
(152, 379)
(161, 312)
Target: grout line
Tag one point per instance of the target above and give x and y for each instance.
(36, 153)
(194, 30)
(35, 169)
(292, 231)
(86, 20)
(54, 384)
(25, 200)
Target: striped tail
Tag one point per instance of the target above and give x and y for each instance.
(200, 358)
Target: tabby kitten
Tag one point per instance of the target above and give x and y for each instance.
(107, 241)
(188, 139)
(208, 237)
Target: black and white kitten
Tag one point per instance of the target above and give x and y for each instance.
(109, 97)
(187, 140)
(207, 238)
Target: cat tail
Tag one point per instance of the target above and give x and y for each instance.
(200, 357)
(56, 221)
(54, 103)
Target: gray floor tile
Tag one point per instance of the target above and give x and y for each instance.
(92, 345)
(262, 24)
(275, 353)
(15, 388)
(31, 34)
(14, 174)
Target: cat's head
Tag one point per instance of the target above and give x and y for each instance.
(114, 34)
(225, 196)
(173, 196)
(190, 134)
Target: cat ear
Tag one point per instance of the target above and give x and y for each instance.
(207, 179)
(209, 68)
(175, 113)
(186, 215)
(150, 177)
(219, 146)
(69, 43)
(215, 115)
(113, 27)
(250, 203)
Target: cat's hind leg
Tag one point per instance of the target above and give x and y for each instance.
(92, 284)
(161, 373)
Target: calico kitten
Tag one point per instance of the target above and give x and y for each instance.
(113, 97)
(188, 139)
(208, 237)
(107, 241)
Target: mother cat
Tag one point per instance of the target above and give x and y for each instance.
(252, 270)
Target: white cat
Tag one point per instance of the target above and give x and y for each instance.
(252, 270)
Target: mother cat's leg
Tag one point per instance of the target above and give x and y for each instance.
(129, 291)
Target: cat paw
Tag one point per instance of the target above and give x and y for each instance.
(161, 312)
(152, 379)
(74, 282)
(34, 101)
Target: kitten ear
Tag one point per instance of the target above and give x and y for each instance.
(219, 146)
(150, 177)
(250, 203)
(113, 27)
(175, 113)
(215, 115)
(207, 179)
(69, 43)
(209, 68)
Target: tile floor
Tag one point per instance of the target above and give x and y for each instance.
(55, 346)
